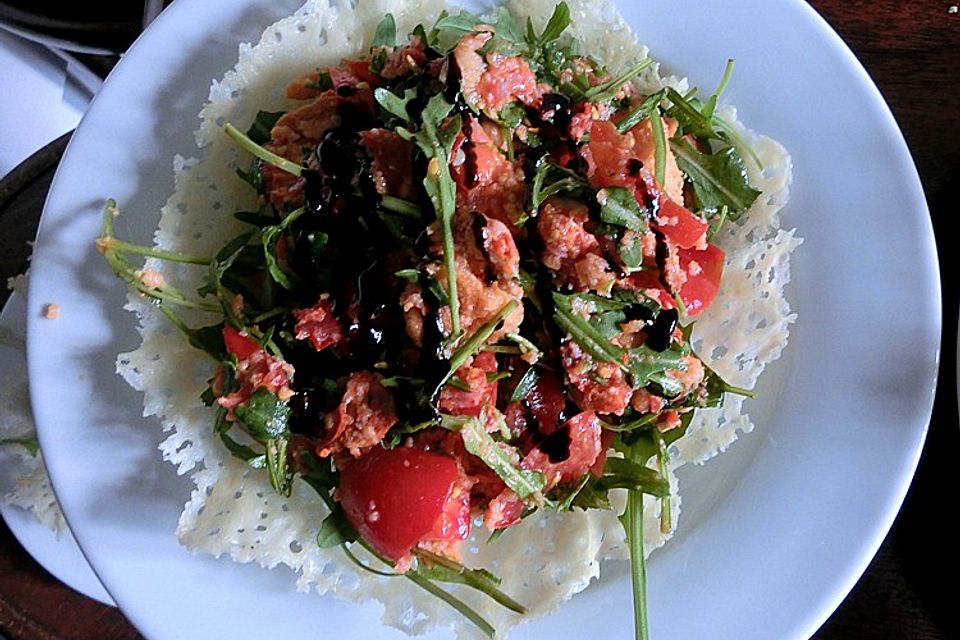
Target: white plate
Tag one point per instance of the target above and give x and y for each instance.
(56, 552)
(774, 533)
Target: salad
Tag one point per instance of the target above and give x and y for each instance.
(467, 292)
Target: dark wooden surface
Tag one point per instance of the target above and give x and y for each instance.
(911, 48)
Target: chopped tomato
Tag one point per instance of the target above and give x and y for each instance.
(365, 414)
(403, 61)
(492, 83)
(238, 343)
(704, 269)
(396, 498)
(356, 71)
(568, 453)
(481, 393)
(392, 163)
(257, 370)
(487, 181)
(612, 161)
(483, 161)
(504, 511)
(609, 155)
(681, 225)
(606, 441)
(505, 80)
(318, 324)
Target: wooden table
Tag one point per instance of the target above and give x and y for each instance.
(912, 51)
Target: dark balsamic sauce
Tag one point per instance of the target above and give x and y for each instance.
(556, 445)
(342, 202)
(306, 410)
(470, 165)
(478, 227)
(638, 312)
(660, 331)
(661, 254)
(451, 77)
(556, 109)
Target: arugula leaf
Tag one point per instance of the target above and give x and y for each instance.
(719, 180)
(701, 120)
(410, 275)
(591, 496)
(622, 473)
(659, 145)
(220, 266)
(507, 28)
(641, 112)
(394, 104)
(563, 498)
(642, 363)
(711, 104)
(630, 250)
(663, 465)
(511, 116)
(644, 421)
(712, 391)
(435, 138)
(261, 152)
(222, 427)
(263, 122)
(245, 453)
(269, 236)
(551, 179)
(475, 342)
(620, 300)
(619, 207)
(406, 209)
(545, 55)
(607, 323)
(640, 445)
(647, 365)
(504, 26)
(608, 90)
(525, 483)
(378, 60)
(278, 467)
(585, 334)
(386, 33)
(686, 111)
(462, 23)
(478, 338)
(253, 177)
(245, 276)
(667, 386)
(256, 218)
(632, 520)
(319, 474)
(264, 415)
(463, 608)
(442, 569)
(209, 340)
(559, 21)
(525, 386)
(336, 530)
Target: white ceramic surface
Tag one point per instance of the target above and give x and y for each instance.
(774, 533)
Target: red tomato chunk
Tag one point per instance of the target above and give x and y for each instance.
(398, 498)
